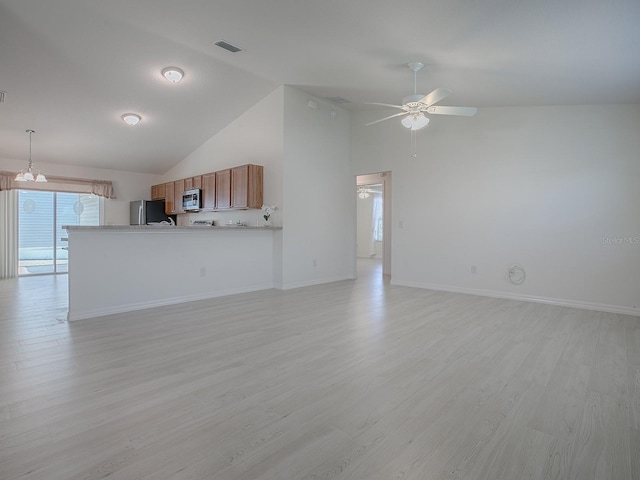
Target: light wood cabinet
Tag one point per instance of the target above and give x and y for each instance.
(238, 187)
(169, 205)
(209, 191)
(173, 197)
(158, 192)
(193, 182)
(246, 186)
(223, 189)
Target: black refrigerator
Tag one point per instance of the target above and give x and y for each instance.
(144, 212)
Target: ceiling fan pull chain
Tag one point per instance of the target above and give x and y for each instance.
(414, 143)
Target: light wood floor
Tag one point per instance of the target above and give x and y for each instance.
(349, 380)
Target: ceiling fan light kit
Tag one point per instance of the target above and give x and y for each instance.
(415, 122)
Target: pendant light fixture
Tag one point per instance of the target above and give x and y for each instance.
(30, 174)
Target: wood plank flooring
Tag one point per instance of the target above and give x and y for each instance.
(349, 380)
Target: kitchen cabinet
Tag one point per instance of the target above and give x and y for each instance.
(169, 205)
(158, 192)
(223, 189)
(238, 187)
(193, 182)
(246, 186)
(208, 191)
(173, 197)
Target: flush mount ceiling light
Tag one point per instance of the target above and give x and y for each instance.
(131, 118)
(30, 174)
(173, 74)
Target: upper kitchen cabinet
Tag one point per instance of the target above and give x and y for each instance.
(169, 201)
(173, 197)
(158, 192)
(208, 191)
(238, 187)
(193, 182)
(246, 186)
(223, 189)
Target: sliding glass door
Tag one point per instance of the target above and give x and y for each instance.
(42, 246)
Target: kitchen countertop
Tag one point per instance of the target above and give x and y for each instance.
(164, 228)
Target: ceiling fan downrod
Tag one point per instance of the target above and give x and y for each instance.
(415, 67)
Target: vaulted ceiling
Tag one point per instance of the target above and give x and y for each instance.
(71, 68)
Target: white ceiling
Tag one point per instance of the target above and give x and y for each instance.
(72, 67)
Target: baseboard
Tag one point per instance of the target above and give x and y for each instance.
(132, 307)
(311, 283)
(599, 307)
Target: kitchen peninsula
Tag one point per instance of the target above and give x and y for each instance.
(122, 268)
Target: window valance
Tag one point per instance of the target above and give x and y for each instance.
(102, 188)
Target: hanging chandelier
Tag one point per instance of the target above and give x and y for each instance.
(30, 174)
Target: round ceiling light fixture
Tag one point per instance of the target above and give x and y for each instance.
(173, 74)
(131, 118)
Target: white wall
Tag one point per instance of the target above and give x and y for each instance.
(318, 210)
(254, 137)
(555, 189)
(128, 186)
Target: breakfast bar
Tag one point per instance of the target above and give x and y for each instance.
(122, 268)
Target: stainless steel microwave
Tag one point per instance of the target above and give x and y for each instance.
(192, 199)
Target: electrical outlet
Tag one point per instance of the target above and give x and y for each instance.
(203, 271)
(315, 263)
(474, 269)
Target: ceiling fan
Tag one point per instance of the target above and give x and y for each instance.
(415, 106)
(364, 190)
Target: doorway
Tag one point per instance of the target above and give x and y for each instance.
(373, 222)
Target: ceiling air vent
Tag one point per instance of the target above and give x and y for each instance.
(2, 94)
(228, 46)
(338, 100)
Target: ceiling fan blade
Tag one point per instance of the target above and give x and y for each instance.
(462, 111)
(386, 105)
(386, 118)
(435, 96)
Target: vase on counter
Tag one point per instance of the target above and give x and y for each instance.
(267, 222)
